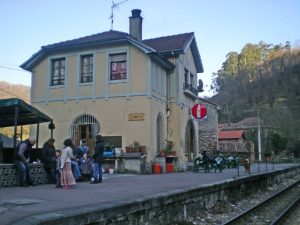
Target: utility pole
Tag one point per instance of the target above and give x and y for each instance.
(258, 136)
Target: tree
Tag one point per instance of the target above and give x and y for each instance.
(279, 143)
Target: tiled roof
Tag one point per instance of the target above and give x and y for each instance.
(230, 134)
(176, 44)
(170, 43)
(100, 37)
(160, 47)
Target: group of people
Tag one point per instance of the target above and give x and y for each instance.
(63, 167)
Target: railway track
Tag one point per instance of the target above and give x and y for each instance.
(275, 210)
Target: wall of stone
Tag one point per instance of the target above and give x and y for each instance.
(9, 174)
(208, 129)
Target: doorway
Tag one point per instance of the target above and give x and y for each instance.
(190, 141)
(85, 127)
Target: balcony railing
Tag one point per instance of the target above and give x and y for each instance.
(189, 89)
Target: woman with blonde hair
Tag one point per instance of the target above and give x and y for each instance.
(67, 178)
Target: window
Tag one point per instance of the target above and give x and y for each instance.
(86, 68)
(192, 80)
(186, 72)
(58, 71)
(118, 66)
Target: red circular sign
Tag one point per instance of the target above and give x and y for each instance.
(199, 111)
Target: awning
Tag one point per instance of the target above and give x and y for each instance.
(25, 113)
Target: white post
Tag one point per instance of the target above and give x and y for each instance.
(258, 136)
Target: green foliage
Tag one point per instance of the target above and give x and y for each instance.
(265, 76)
(279, 143)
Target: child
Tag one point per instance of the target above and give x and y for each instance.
(57, 169)
(86, 166)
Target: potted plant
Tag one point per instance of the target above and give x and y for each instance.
(162, 153)
(135, 147)
(168, 149)
(129, 148)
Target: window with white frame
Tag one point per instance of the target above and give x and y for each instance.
(58, 70)
(186, 73)
(118, 66)
(86, 68)
(192, 80)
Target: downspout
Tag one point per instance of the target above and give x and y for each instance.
(168, 103)
(168, 110)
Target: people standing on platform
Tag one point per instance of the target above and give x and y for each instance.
(206, 161)
(21, 159)
(205, 157)
(81, 150)
(67, 178)
(57, 169)
(49, 159)
(98, 159)
(86, 167)
(75, 166)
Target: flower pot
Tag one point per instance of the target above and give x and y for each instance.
(162, 154)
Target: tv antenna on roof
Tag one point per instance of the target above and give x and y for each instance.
(113, 7)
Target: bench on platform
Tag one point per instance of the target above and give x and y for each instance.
(9, 174)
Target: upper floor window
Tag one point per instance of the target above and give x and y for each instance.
(192, 79)
(118, 66)
(86, 68)
(186, 73)
(58, 70)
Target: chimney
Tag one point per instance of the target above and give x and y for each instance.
(135, 24)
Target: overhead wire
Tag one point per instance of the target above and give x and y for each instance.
(10, 68)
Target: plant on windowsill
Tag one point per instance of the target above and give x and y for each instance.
(135, 147)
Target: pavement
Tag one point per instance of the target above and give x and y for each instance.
(17, 203)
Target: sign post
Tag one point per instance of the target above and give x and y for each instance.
(199, 111)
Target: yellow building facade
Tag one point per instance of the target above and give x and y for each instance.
(128, 89)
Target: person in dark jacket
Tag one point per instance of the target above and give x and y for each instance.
(49, 159)
(98, 159)
(21, 159)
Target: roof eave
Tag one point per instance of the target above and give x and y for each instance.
(34, 59)
(162, 61)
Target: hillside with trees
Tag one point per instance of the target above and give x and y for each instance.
(8, 90)
(263, 80)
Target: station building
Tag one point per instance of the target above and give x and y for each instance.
(128, 89)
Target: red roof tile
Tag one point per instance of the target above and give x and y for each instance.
(230, 134)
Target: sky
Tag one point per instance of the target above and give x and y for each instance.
(220, 26)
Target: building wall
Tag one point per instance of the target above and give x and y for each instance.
(208, 130)
(145, 91)
(110, 102)
(180, 105)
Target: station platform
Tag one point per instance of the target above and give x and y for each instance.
(44, 203)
